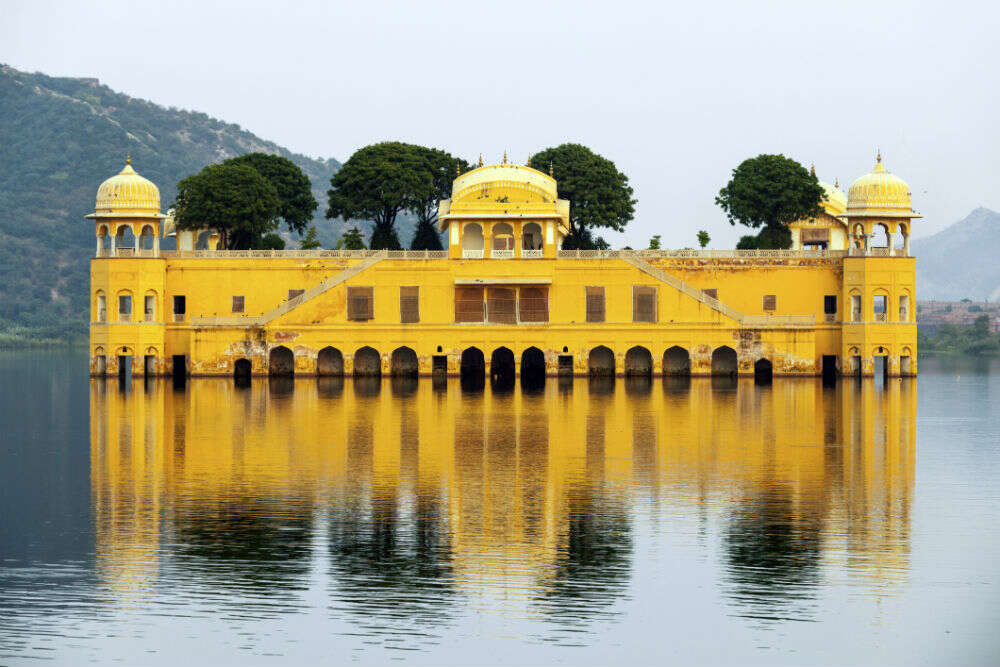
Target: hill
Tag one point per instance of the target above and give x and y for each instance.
(960, 261)
(60, 138)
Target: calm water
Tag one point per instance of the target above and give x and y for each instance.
(328, 521)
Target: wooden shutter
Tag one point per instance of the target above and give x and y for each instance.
(533, 303)
(360, 303)
(409, 304)
(643, 303)
(712, 292)
(815, 235)
(501, 305)
(595, 304)
(770, 302)
(238, 304)
(469, 304)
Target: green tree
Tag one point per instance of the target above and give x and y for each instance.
(231, 198)
(703, 238)
(767, 192)
(654, 243)
(351, 240)
(272, 241)
(443, 168)
(310, 241)
(295, 197)
(377, 183)
(599, 194)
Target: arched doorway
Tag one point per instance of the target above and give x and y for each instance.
(601, 362)
(763, 371)
(502, 368)
(403, 363)
(724, 361)
(472, 240)
(330, 361)
(281, 361)
(638, 361)
(532, 368)
(125, 238)
(242, 370)
(367, 362)
(531, 237)
(676, 361)
(472, 369)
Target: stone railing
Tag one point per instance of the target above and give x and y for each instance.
(767, 321)
(304, 254)
(700, 254)
(471, 254)
(878, 252)
(532, 254)
(501, 254)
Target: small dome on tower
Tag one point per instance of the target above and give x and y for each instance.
(880, 194)
(128, 194)
(836, 201)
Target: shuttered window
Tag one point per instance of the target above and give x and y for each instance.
(595, 304)
(770, 302)
(712, 293)
(501, 305)
(360, 303)
(409, 304)
(533, 304)
(469, 304)
(830, 304)
(238, 304)
(643, 303)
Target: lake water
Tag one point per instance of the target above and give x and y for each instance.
(631, 522)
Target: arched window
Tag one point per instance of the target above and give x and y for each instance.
(125, 306)
(472, 240)
(503, 240)
(149, 306)
(125, 239)
(531, 239)
(103, 241)
(147, 238)
(101, 307)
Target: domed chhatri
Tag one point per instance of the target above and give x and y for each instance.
(879, 194)
(127, 194)
(836, 201)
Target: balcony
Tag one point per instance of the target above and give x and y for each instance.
(880, 317)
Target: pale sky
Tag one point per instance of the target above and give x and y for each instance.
(676, 95)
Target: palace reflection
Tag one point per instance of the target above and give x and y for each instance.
(405, 496)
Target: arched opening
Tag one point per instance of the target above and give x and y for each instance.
(905, 362)
(601, 362)
(125, 238)
(103, 241)
(472, 368)
(638, 361)
(885, 238)
(330, 361)
(149, 362)
(146, 238)
(503, 240)
(124, 365)
(472, 240)
(101, 307)
(403, 363)
(242, 370)
(203, 237)
(149, 306)
(676, 361)
(125, 306)
(531, 237)
(502, 368)
(763, 371)
(367, 362)
(281, 361)
(532, 369)
(100, 362)
(724, 361)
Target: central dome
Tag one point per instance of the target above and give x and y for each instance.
(879, 194)
(128, 194)
(508, 178)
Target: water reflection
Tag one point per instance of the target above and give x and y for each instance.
(410, 498)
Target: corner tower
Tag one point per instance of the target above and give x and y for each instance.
(127, 215)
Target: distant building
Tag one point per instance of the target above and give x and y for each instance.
(505, 298)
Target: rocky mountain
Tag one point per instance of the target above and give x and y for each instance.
(961, 261)
(59, 138)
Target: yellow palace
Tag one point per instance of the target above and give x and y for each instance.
(505, 298)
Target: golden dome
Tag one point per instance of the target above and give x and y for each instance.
(508, 179)
(879, 195)
(127, 194)
(836, 201)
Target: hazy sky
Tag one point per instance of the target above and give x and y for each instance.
(676, 95)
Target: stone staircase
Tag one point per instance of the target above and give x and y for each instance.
(682, 286)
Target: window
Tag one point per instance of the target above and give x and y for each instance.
(125, 308)
(595, 304)
(904, 308)
(360, 303)
(409, 304)
(292, 293)
(830, 304)
(770, 302)
(712, 293)
(149, 307)
(180, 308)
(501, 305)
(533, 304)
(643, 303)
(239, 304)
(469, 304)
(879, 307)
(102, 308)
(855, 307)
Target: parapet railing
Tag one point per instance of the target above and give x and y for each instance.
(304, 254)
(696, 254)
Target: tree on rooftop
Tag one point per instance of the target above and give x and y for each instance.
(310, 241)
(599, 194)
(233, 199)
(377, 183)
(296, 201)
(351, 240)
(767, 192)
(703, 238)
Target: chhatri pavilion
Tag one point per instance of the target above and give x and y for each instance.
(505, 298)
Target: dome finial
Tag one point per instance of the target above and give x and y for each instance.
(128, 158)
(812, 169)
(836, 182)
(458, 169)
(505, 157)
(529, 161)
(878, 155)
(550, 168)
(480, 159)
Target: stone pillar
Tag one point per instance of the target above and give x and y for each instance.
(114, 244)
(906, 244)
(156, 245)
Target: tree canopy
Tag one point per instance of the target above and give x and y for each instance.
(310, 241)
(443, 169)
(231, 198)
(296, 201)
(351, 240)
(377, 183)
(770, 191)
(599, 194)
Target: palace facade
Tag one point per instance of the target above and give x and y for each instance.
(504, 298)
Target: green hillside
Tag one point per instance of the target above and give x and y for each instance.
(59, 138)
